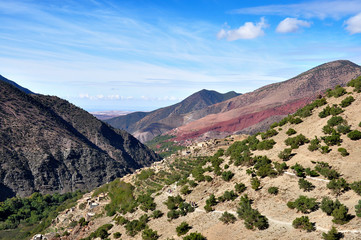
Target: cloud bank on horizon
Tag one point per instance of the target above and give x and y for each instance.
(111, 55)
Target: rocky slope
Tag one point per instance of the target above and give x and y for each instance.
(146, 125)
(49, 145)
(246, 161)
(249, 112)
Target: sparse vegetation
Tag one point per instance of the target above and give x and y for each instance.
(291, 131)
(240, 187)
(286, 154)
(252, 218)
(255, 183)
(338, 186)
(347, 101)
(354, 135)
(149, 234)
(338, 91)
(303, 204)
(183, 228)
(305, 185)
(273, 190)
(333, 234)
(194, 236)
(297, 141)
(228, 218)
(303, 223)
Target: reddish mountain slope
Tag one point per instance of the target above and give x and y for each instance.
(249, 111)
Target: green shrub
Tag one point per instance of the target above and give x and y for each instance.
(173, 214)
(335, 120)
(305, 185)
(314, 144)
(304, 204)
(356, 83)
(358, 209)
(327, 129)
(325, 170)
(356, 186)
(173, 202)
(273, 190)
(194, 236)
(146, 202)
(354, 135)
(297, 141)
(269, 133)
(228, 196)
(266, 144)
(333, 234)
(286, 154)
(340, 215)
(327, 111)
(185, 190)
(343, 152)
(311, 173)
(331, 140)
(101, 232)
(325, 149)
(255, 183)
(338, 186)
(208, 178)
(149, 234)
(240, 187)
(303, 223)
(280, 167)
(117, 235)
(291, 131)
(343, 129)
(183, 228)
(338, 91)
(327, 205)
(227, 218)
(157, 214)
(227, 175)
(299, 170)
(252, 218)
(347, 101)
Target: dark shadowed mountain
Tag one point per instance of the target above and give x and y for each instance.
(25, 90)
(49, 145)
(146, 125)
(255, 111)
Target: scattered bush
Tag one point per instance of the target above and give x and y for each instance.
(343, 129)
(227, 218)
(314, 144)
(286, 154)
(305, 185)
(266, 144)
(269, 133)
(149, 234)
(146, 202)
(101, 232)
(335, 120)
(340, 215)
(338, 186)
(354, 135)
(358, 209)
(240, 187)
(280, 167)
(343, 152)
(356, 186)
(227, 176)
(325, 170)
(297, 141)
(338, 91)
(325, 149)
(117, 235)
(303, 204)
(327, 111)
(157, 214)
(291, 131)
(347, 101)
(185, 190)
(356, 83)
(299, 170)
(194, 236)
(333, 139)
(255, 183)
(303, 223)
(327, 205)
(273, 190)
(252, 218)
(183, 228)
(228, 196)
(333, 234)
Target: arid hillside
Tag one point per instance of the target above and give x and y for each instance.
(297, 180)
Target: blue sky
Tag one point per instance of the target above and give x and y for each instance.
(142, 55)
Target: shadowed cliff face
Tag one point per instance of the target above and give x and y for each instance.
(49, 145)
(251, 110)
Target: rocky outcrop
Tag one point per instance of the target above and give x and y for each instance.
(49, 145)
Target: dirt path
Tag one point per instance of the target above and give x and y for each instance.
(313, 178)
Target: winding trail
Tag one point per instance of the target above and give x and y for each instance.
(313, 178)
(318, 228)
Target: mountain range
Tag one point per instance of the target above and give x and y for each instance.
(49, 145)
(236, 113)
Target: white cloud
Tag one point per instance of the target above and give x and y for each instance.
(354, 24)
(291, 25)
(248, 31)
(319, 9)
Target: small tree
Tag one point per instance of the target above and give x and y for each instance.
(227, 176)
(240, 187)
(303, 223)
(338, 186)
(227, 218)
(304, 204)
(333, 234)
(194, 236)
(354, 135)
(149, 234)
(358, 209)
(273, 190)
(285, 155)
(340, 215)
(343, 152)
(255, 183)
(183, 228)
(291, 131)
(305, 185)
(185, 190)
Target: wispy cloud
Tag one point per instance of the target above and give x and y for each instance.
(308, 9)
(249, 30)
(291, 25)
(353, 24)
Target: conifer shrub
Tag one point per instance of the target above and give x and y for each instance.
(157, 214)
(354, 135)
(149, 234)
(297, 141)
(343, 129)
(343, 152)
(347, 101)
(266, 144)
(227, 218)
(255, 183)
(305, 185)
(326, 170)
(303, 223)
(304, 204)
(327, 205)
(358, 209)
(185, 190)
(252, 218)
(291, 131)
(299, 170)
(338, 186)
(327, 111)
(356, 83)
(194, 236)
(333, 139)
(183, 228)
(314, 144)
(228, 196)
(227, 176)
(269, 133)
(340, 215)
(273, 190)
(335, 120)
(325, 149)
(338, 91)
(295, 120)
(117, 235)
(333, 234)
(240, 187)
(285, 154)
(356, 186)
